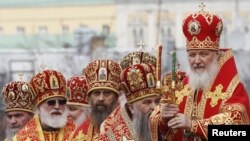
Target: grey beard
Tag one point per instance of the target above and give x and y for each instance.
(99, 115)
(141, 126)
(10, 133)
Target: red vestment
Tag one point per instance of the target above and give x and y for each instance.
(225, 102)
(117, 126)
(85, 132)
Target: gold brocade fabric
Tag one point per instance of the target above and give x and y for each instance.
(118, 127)
(32, 131)
(18, 96)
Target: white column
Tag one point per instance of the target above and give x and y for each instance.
(151, 34)
(179, 38)
(122, 28)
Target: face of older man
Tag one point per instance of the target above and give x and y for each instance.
(16, 120)
(53, 113)
(146, 105)
(141, 110)
(78, 113)
(203, 68)
(103, 102)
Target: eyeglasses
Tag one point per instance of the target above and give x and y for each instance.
(53, 102)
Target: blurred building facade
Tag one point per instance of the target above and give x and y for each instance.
(51, 24)
(34, 32)
(59, 23)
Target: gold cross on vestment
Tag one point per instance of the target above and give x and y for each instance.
(202, 6)
(216, 95)
(140, 44)
(180, 94)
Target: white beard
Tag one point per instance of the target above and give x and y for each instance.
(202, 79)
(55, 121)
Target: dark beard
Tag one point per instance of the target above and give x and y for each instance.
(100, 111)
(141, 125)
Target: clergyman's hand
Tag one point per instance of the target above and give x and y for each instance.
(180, 121)
(169, 111)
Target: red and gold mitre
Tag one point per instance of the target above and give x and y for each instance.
(139, 81)
(138, 57)
(202, 30)
(103, 74)
(47, 84)
(77, 91)
(18, 96)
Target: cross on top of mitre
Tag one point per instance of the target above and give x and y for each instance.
(141, 45)
(202, 6)
(104, 56)
(43, 66)
(20, 75)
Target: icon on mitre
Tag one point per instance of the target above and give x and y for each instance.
(102, 74)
